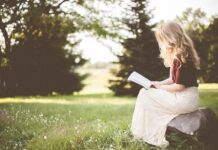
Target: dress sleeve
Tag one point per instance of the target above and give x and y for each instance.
(184, 74)
(178, 72)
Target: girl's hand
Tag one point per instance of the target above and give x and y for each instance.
(155, 84)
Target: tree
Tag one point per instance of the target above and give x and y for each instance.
(141, 50)
(12, 14)
(13, 11)
(212, 38)
(40, 62)
(25, 26)
(203, 33)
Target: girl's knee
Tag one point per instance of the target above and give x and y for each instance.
(142, 90)
(142, 95)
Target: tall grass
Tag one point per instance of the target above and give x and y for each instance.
(93, 121)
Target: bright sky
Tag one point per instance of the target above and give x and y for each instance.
(164, 10)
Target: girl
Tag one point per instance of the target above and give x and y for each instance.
(178, 94)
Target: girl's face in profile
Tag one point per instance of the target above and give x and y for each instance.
(166, 49)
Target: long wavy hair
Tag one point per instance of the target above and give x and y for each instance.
(171, 35)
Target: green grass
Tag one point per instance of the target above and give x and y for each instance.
(92, 121)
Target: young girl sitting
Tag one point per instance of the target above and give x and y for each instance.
(178, 94)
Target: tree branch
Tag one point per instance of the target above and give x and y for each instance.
(6, 37)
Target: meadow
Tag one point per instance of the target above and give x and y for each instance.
(95, 120)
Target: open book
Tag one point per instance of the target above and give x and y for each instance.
(139, 79)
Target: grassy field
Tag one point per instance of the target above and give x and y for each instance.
(83, 121)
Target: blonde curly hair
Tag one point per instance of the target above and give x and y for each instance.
(171, 35)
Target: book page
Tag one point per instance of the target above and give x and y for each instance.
(139, 79)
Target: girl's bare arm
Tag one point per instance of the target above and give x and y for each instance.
(167, 81)
(164, 82)
(171, 87)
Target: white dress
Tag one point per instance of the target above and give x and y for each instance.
(155, 108)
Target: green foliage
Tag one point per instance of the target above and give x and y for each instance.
(140, 50)
(203, 32)
(212, 38)
(36, 57)
(39, 61)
